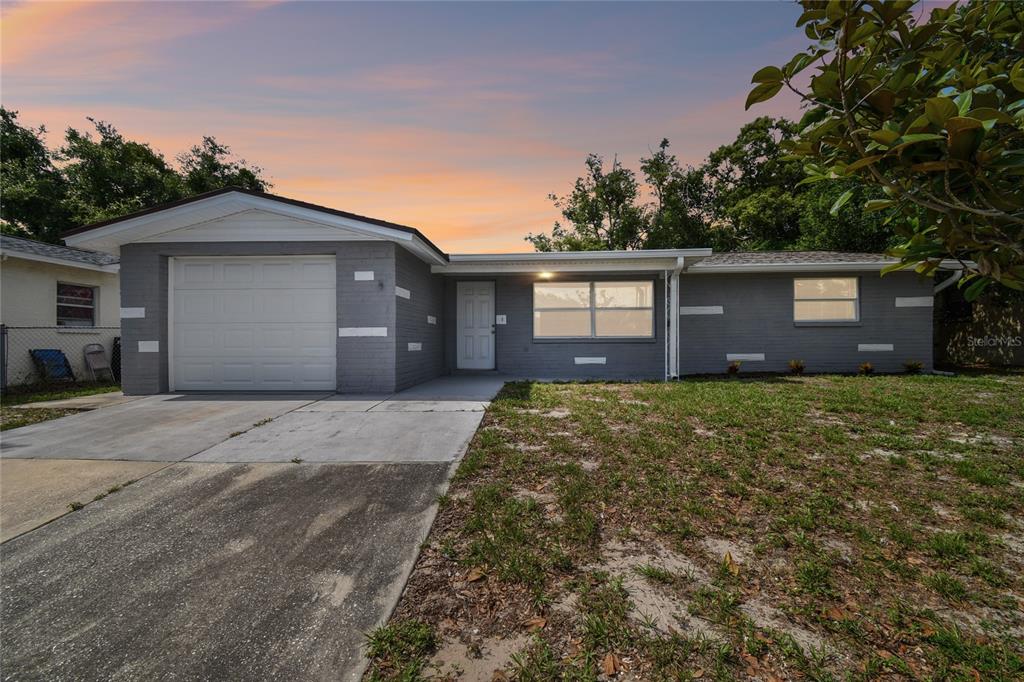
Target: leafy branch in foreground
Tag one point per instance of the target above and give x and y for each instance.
(932, 112)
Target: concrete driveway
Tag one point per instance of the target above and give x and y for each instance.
(210, 566)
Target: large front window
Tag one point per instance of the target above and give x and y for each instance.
(593, 309)
(825, 299)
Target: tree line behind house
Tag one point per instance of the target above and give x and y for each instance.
(97, 175)
(746, 195)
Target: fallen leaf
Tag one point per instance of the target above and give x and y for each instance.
(535, 623)
(730, 564)
(611, 664)
(499, 676)
(835, 613)
(697, 674)
(976, 675)
(475, 574)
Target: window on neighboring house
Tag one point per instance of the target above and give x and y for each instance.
(825, 299)
(76, 305)
(593, 309)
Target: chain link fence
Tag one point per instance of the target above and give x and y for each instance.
(17, 367)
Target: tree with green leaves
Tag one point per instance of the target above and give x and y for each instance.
(109, 176)
(208, 166)
(746, 195)
(602, 211)
(930, 113)
(100, 174)
(32, 190)
(752, 186)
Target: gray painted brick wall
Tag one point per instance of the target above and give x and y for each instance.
(365, 364)
(426, 299)
(758, 318)
(518, 354)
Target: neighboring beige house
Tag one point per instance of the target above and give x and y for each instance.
(55, 297)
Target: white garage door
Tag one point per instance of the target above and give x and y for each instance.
(253, 324)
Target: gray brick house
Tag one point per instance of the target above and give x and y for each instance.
(238, 290)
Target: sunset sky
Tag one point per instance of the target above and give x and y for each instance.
(456, 118)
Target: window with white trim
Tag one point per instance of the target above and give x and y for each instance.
(574, 310)
(825, 299)
(76, 305)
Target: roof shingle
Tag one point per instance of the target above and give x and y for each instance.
(66, 253)
(790, 258)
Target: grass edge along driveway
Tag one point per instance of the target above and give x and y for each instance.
(823, 527)
(15, 414)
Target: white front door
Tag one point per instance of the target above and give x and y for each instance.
(253, 324)
(475, 322)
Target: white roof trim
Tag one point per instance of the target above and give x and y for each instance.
(110, 238)
(578, 255)
(112, 268)
(654, 260)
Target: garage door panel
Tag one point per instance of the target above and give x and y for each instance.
(245, 323)
(318, 274)
(196, 306)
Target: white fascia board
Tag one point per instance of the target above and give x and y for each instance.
(546, 256)
(652, 266)
(654, 260)
(113, 269)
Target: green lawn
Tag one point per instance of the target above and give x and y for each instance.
(12, 417)
(795, 527)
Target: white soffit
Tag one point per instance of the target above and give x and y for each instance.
(258, 225)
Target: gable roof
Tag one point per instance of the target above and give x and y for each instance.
(30, 249)
(80, 234)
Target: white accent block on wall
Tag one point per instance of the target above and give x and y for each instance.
(500, 319)
(404, 293)
(415, 346)
(590, 361)
(874, 347)
(132, 313)
(915, 301)
(701, 310)
(749, 357)
(431, 319)
(363, 275)
(362, 331)
(149, 346)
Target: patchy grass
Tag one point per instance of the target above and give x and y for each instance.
(793, 527)
(18, 395)
(13, 417)
(400, 650)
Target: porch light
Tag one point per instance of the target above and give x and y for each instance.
(545, 275)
